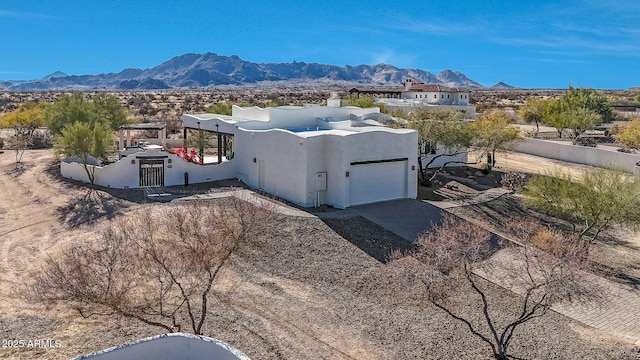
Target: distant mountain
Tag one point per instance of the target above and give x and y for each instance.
(202, 71)
(56, 74)
(502, 86)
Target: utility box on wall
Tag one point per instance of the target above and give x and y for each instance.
(321, 181)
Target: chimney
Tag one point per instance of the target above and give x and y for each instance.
(334, 100)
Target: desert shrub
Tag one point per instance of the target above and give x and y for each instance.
(586, 141)
(513, 180)
(41, 140)
(1, 143)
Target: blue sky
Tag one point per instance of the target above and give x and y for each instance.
(531, 44)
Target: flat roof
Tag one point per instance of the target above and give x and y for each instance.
(144, 126)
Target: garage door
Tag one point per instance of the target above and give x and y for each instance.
(380, 180)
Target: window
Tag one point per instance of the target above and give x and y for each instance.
(435, 96)
(416, 96)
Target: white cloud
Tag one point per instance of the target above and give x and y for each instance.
(24, 15)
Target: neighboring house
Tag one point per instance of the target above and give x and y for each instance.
(309, 155)
(413, 93)
(433, 94)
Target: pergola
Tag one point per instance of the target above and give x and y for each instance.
(125, 133)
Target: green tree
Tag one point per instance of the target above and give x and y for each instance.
(24, 121)
(630, 134)
(578, 110)
(224, 107)
(580, 120)
(554, 115)
(600, 198)
(588, 99)
(109, 110)
(365, 102)
(441, 133)
(533, 111)
(493, 131)
(85, 142)
(69, 109)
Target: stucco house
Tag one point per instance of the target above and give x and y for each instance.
(433, 94)
(415, 94)
(314, 155)
(309, 155)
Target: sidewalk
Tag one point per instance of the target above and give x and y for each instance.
(618, 315)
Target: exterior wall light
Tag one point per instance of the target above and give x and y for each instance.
(254, 159)
(346, 174)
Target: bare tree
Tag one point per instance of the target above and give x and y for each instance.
(544, 271)
(157, 266)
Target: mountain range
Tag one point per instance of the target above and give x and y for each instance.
(209, 70)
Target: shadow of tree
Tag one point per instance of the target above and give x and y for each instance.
(369, 237)
(89, 208)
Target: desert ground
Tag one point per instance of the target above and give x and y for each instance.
(309, 294)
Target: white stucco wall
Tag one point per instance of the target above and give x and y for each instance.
(462, 158)
(439, 97)
(169, 347)
(125, 173)
(578, 154)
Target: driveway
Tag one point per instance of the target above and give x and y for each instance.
(406, 217)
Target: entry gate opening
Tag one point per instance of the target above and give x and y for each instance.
(151, 172)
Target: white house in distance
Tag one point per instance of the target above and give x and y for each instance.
(414, 93)
(309, 155)
(432, 94)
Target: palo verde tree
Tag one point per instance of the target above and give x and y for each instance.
(547, 270)
(69, 109)
(578, 110)
(598, 199)
(83, 128)
(629, 135)
(86, 143)
(224, 107)
(493, 131)
(159, 267)
(24, 121)
(365, 102)
(441, 133)
(532, 111)
(445, 133)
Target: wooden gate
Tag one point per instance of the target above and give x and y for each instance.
(151, 172)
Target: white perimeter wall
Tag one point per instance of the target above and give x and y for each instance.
(443, 159)
(125, 174)
(578, 154)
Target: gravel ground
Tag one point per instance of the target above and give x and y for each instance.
(318, 290)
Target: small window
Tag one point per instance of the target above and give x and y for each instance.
(435, 96)
(416, 96)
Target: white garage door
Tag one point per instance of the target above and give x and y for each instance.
(377, 181)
